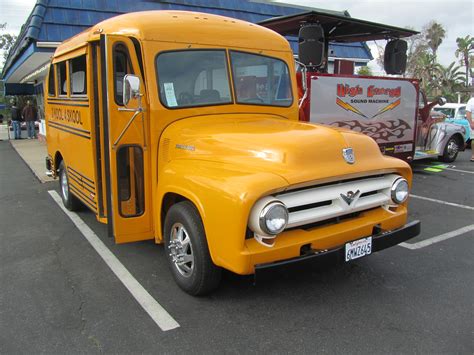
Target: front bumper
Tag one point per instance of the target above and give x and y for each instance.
(379, 242)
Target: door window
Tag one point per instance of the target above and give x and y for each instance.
(122, 67)
(130, 181)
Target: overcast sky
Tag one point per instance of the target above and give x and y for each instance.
(456, 16)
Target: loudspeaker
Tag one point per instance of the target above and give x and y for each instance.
(395, 57)
(311, 45)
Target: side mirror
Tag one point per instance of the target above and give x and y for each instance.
(311, 45)
(395, 57)
(131, 91)
(441, 101)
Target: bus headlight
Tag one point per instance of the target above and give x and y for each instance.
(269, 217)
(273, 218)
(399, 191)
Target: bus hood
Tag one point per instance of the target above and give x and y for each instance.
(298, 152)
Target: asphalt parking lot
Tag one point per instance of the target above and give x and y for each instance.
(59, 296)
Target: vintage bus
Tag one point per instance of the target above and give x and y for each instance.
(183, 128)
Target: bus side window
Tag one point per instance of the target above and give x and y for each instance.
(78, 76)
(122, 67)
(51, 86)
(62, 79)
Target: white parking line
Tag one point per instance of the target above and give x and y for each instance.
(161, 317)
(460, 171)
(443, 202)
(439, 238)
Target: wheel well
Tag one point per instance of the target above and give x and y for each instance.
(459, 140)
(169, 200)
(58, 158)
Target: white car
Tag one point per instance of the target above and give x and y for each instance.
(451, 110)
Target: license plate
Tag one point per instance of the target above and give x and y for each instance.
(358, 248)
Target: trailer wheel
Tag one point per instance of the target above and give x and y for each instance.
(451, 151)
(187, 251)
(70, 201)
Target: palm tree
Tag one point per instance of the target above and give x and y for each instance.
(435, 34)
(428, 71)
(465, 47)
(451, 80)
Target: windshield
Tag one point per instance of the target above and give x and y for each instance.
(461, 112)
(191, 78)
(260, 80)
(458, 113)
(449, 112)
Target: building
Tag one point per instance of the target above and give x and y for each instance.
(53, 21)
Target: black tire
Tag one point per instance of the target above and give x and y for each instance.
(451, 151)
(199, 276)
(71, 202)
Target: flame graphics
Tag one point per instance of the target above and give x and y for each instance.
(349, 107)
(380, 131)
(388, 108)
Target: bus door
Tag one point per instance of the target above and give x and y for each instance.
(127, 156)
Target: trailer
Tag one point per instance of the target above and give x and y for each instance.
(391, 110)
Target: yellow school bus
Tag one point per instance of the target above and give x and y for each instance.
(183, 128)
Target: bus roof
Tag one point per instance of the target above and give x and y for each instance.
(181, 27)
(337, 28)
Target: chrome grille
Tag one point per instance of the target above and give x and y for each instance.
(329, 201)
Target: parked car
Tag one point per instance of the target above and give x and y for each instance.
(455, 113)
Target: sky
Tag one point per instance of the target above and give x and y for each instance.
(456, 16)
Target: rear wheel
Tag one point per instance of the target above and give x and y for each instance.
(187, 251)
(70, 201)
(451, 151)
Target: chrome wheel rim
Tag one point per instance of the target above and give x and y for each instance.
(64, 186)
(181, 250)
(452, 149)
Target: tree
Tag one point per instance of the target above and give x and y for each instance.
(428, 71)
(7, 40)
(450, 80)
(365, 70)
(416, 46)
(465, 48)
(434, 34)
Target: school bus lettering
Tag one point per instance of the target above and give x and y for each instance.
(68, 115)
(199, 147)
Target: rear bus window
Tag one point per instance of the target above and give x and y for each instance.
(78, 76)
(51, 86)
(62, 80)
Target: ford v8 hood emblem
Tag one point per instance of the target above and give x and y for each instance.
(348, 155)
(350, 196)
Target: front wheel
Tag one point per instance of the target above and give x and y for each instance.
(187, 251)
(70, 201)
(451, 151)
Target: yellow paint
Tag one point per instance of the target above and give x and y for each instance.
(221, 158)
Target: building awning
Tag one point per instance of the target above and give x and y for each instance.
(31, 65)
(337, 28)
